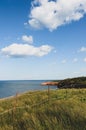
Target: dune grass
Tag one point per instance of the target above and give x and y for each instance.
(65, 110)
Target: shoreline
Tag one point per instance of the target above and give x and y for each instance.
(18, 94)
(5, 98)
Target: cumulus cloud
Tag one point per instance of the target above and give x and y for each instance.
(75, 60)
(82, 49)
(25, 23)
(21, 50)
(28, 39)
(84, 59)
(52, 14)
(64, 61)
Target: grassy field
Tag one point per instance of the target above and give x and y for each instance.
(64, 110)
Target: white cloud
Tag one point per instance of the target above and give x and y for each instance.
(27, 39)
(84, 59)
(21, 50)
(52, 14)
(75, 60)
(64, 61)
(82, 49)
(25, 23)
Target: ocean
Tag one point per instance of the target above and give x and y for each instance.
(10, 88)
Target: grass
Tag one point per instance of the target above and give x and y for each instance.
(65, 110)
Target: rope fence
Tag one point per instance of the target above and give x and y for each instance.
(10, 116)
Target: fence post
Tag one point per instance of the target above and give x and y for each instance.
(48, 93)
(15, 104)
(13, 118)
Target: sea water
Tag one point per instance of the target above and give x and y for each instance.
(10, 88)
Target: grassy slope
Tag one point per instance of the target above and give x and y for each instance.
(66, 110)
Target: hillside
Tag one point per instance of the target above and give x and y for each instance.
(64, 110)
(79, 82)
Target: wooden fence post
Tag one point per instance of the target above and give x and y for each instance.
(48, 92)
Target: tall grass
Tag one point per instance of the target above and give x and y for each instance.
(66, 110)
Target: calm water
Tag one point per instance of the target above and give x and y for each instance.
(10, 88)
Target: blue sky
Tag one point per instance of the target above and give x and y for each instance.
(42, 39)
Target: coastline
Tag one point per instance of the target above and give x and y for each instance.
(18, 94)
(6, 98)
(10, 88)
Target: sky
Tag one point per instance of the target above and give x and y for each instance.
(42, 39)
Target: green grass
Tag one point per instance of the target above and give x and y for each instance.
(65, 110)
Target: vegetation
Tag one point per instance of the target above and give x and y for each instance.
(79, 82)
(65, 109)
